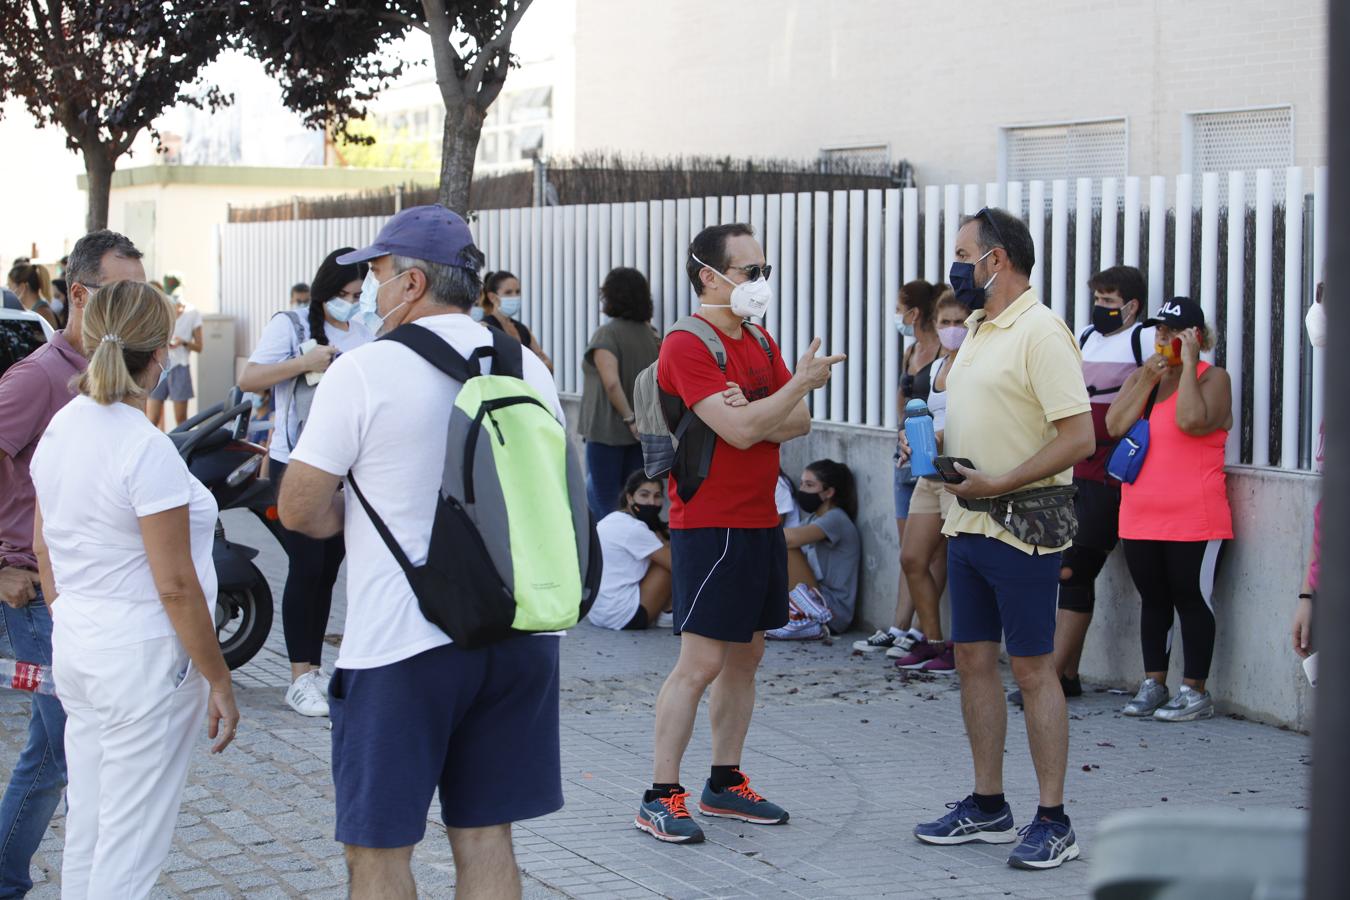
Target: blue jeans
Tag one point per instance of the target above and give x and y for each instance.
(608, 467)
(39, 776)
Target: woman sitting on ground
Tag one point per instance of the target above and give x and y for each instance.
(823, 552)
(635, 543)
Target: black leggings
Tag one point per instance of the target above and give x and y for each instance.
(1176, 576)
(314, 565)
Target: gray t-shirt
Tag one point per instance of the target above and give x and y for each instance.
(835, 564)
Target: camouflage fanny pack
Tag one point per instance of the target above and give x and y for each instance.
(1041, 516)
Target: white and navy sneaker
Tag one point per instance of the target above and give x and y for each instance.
(1046, 844)
(877, 643)
(967, 822)
(905, 644)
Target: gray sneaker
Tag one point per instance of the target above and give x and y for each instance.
(1187, 706)
(1151, 696)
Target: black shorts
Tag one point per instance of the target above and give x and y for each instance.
(1097, 506)
(729, 583)
(479, 726)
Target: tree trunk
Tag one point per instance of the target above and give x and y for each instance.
(459, 146)
(98, 169)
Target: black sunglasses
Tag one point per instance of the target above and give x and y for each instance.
(985, 214)
(754, 273)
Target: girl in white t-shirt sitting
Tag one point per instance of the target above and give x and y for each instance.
(635, 587)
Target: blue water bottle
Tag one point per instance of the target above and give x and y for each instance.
(922, 438)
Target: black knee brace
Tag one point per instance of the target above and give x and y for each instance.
(1076, 592)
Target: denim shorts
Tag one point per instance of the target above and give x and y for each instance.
(904, 490)
(479, 726)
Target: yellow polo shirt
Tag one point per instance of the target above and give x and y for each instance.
(1013, 376)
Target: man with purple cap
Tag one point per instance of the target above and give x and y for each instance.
(413, 713)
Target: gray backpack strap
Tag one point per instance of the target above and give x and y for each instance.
(706, 332)
(763, 337)
(296, 324)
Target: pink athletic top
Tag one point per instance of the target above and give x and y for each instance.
(1181, 493)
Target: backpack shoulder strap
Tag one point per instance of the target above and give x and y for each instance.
(295, 324)
(508, 355)
(385, 534)
(763, 337)
(1087, 333)
(706, 333)
(434, 350)
(1135, 336)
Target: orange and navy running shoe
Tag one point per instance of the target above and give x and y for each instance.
(740, 802)
(667, 819)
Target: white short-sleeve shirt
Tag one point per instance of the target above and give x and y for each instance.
(278, 344)
(91, 505)
(183, 327)
(626, 545)
(382, 413)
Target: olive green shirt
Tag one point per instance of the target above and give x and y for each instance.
(636, 346)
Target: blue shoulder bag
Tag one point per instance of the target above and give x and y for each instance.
(1127, 457)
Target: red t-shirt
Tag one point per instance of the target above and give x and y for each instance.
(738, 492)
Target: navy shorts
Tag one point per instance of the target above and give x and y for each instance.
(728, 583)
(1000, 593)
(480, 726)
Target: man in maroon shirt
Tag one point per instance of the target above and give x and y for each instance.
(729, 561)
(31, 392)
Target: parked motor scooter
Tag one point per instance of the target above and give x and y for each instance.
(213, 446)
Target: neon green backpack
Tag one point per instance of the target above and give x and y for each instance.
(513, 547)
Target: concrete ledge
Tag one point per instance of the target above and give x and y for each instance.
(1255, 674)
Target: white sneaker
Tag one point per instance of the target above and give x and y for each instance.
(323, 677)
(665, 620)
(306, 696)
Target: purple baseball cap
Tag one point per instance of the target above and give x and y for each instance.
(432, 233)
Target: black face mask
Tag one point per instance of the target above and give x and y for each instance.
(1106, 320)
(809, 502)
(648, 514)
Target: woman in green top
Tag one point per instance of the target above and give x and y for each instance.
(618, 351)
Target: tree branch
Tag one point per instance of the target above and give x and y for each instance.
(442, 49)
(409, 21)
(500, 43)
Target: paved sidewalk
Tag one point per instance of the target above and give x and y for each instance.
(854, 750)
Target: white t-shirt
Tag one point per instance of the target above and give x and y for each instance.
(627, 546)
(785, 502)
(1108, 359)
(188, 321)
(278, 344)
(91, 504)
(382, 412)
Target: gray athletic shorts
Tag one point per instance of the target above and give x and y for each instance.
(177, 386)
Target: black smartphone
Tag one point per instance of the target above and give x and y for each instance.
(947, 469)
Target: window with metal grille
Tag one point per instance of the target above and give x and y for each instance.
(1239, 140)
(1091, 149)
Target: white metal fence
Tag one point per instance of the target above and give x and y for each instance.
(840, 257)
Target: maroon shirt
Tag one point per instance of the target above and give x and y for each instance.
(31, 392)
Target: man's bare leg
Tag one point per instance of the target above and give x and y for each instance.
(701, 661)
(377, 873)
(485, 863)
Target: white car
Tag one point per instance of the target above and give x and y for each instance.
(21, 332)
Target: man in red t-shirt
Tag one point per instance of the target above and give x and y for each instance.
(729, 561)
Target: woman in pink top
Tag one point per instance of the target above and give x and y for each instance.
(1174, 518)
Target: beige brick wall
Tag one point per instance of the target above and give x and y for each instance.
(936, 80)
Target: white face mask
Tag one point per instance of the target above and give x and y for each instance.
(1316, 323)
(369, 313)
(749, 298)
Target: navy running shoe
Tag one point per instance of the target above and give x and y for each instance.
(967, 822)
(667, 819)
(740, 802)
(1045, 845)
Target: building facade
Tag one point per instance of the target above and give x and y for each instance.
(966, 92)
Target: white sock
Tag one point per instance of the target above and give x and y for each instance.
(897, 632)
(916, 634)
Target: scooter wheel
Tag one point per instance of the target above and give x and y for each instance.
(244, 620)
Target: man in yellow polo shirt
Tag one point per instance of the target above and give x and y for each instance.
(1018, 410)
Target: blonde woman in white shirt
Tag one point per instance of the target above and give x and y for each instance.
(123, 536)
